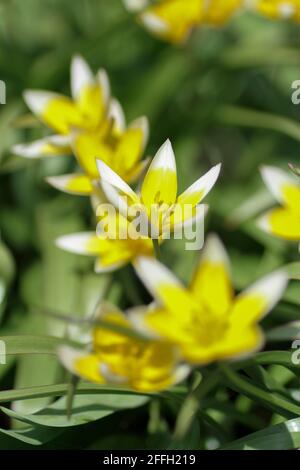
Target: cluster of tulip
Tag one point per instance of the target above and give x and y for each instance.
(150, 348)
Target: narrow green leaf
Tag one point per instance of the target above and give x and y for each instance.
(34, 435)
(27, 344)
(273, 401)
(293, 270)
(289, 331)
(282, 436)
(244, 117)
(86, 408)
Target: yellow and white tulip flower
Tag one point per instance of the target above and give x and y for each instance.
(278, 9)
(88, 124)
(162, 211)
(206, 320)
(119, 359)
(284, 220)
(174, 20)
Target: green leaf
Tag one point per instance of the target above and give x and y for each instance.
(82, 389)
(289, 331)
(7, 264)
(293, 270)
(238, 116)
(273, 401)
(34, 435)
(54, 284)
(27, 344)
(281, 358)
(282, 436)
(86, 408)
(7, 271)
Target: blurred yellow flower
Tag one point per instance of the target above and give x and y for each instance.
(145, 366)
(175, 19)
(219, 11)
(283, 221)
(113, 245)
(89, 124)
(206, 321)
(278, 9)
(158, 203)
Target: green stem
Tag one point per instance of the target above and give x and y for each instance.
(156, 248)
(72, 386)
(191, 405)
(128, 281)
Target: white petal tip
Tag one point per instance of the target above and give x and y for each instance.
(164, 158)
(263, 224)
(154, 24)
(37, 100)
(75, 243)
(68, 357)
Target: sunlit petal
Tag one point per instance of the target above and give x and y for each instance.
(160, 183)
(78, 184)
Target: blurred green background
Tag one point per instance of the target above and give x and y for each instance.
(224, 96)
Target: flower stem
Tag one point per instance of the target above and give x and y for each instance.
(156, 248)
(72, 386)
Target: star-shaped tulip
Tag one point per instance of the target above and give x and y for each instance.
(120, 359)
(284, 220)
(88, 124)
(161, 211)
(174, 20)
(206, 320)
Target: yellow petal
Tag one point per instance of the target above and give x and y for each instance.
(117, 191)
(81, 363)
(105, 265)
(88, 146)
(282, 223)
(236, 344)
(130, 147)
(56, 111)
(165, 287)
(47, 147)
(72, 184)
(239, 343)
(158, 368)
(146, 365)
(160, 183)
(219, 11)
(195, 193)
(211, 284)
(284, 187)
(258, 300)
(83, 243)
(91, 95)
(173, 19)
(136, 171)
